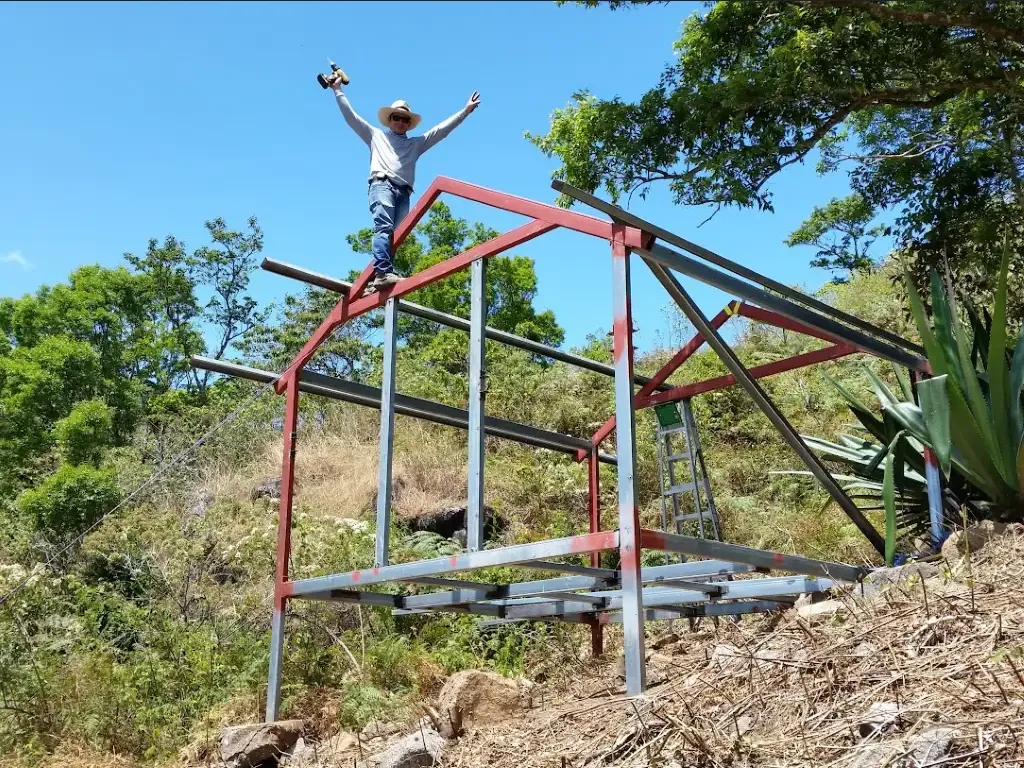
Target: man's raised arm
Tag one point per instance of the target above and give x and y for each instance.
(441, 130)
(362, 128)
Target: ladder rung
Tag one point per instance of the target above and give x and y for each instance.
(678, 456)
(690, 516)
(686, 487)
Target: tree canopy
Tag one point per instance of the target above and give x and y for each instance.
(921, 103)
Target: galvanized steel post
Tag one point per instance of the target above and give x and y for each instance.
(284, 546)
(594, 501)
(477, 395)
(625, 436)
(387, 432)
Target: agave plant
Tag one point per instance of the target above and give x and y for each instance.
(971, 406)
(970, 415)
(867, 458)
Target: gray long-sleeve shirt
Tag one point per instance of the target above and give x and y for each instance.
(392, 154)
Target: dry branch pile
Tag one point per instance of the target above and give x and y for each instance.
(924, 673)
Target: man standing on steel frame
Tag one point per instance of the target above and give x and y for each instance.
(393, 156)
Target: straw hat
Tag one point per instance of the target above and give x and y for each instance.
(384, 114)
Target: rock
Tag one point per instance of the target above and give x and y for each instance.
(1015, 529)
(728, 658)
(931, 745)
(473, 698)
(664, 641)
(804, 599)
(873, 756)
(902, 576)
(267, 489)
(973, 539)
(378, 729)
(820, 611)
(200, 505)
(417, 749)
(247, 746)
(744, 724)
(881, 717)
(302, 755)
(451, 521)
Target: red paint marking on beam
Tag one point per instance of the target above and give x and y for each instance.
(578, 222)
(357, 575)
(594, 500)
(594, 542)
(453, 561)
(758, 372)
(650, 539)
(660, 377)
(779, 558)
(376, 570)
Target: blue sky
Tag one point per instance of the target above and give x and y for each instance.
(121, 122)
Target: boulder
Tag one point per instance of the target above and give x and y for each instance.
(200, 505)
(378, 729)
(973, 539)
(665, 641)
(902, 576)
(816, 612)
(450, 522)
(931, 745)
(873, 756)
(422, 748)
(474, 698)
(881, 717)
(270, 488)
(248, 746)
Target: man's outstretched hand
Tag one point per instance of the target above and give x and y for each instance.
(474, 101)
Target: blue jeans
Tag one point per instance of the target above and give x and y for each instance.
(389, 203)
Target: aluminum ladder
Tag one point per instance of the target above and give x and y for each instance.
(683, 474)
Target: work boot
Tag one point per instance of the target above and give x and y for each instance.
(381, 281)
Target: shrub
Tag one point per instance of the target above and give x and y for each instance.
(70, 500)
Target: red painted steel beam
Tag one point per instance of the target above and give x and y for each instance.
(578, 222)
(348, 309)
(663, 373)
(758, 372)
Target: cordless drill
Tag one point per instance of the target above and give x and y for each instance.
(336, 74)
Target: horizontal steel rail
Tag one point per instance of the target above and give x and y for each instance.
(443, 318)
(625, 217)
(571, 545)
(690, 545)
(363, 394)
(694, 612)
(651, 575)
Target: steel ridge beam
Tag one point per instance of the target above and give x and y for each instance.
(666, 257)
(570, 545)
(693, 612)
(760, 558)
(625, 217)
(363, 394)
(452, 321)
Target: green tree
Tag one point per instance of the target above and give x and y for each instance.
(70, 500)
(921, 102)
(841, 234)
(85, 433)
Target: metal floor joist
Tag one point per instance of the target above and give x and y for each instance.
(717, 578)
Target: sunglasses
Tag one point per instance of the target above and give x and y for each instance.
(401, 119)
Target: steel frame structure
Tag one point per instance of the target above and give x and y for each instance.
(587, 594)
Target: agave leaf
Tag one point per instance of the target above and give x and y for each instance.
(1016, 384)
(971, 446)
(945, 332)
(885, 395)
(971, 388)
(933, 349)
(999, 376)
(904, 381)
(871, 423)
(935, 407)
